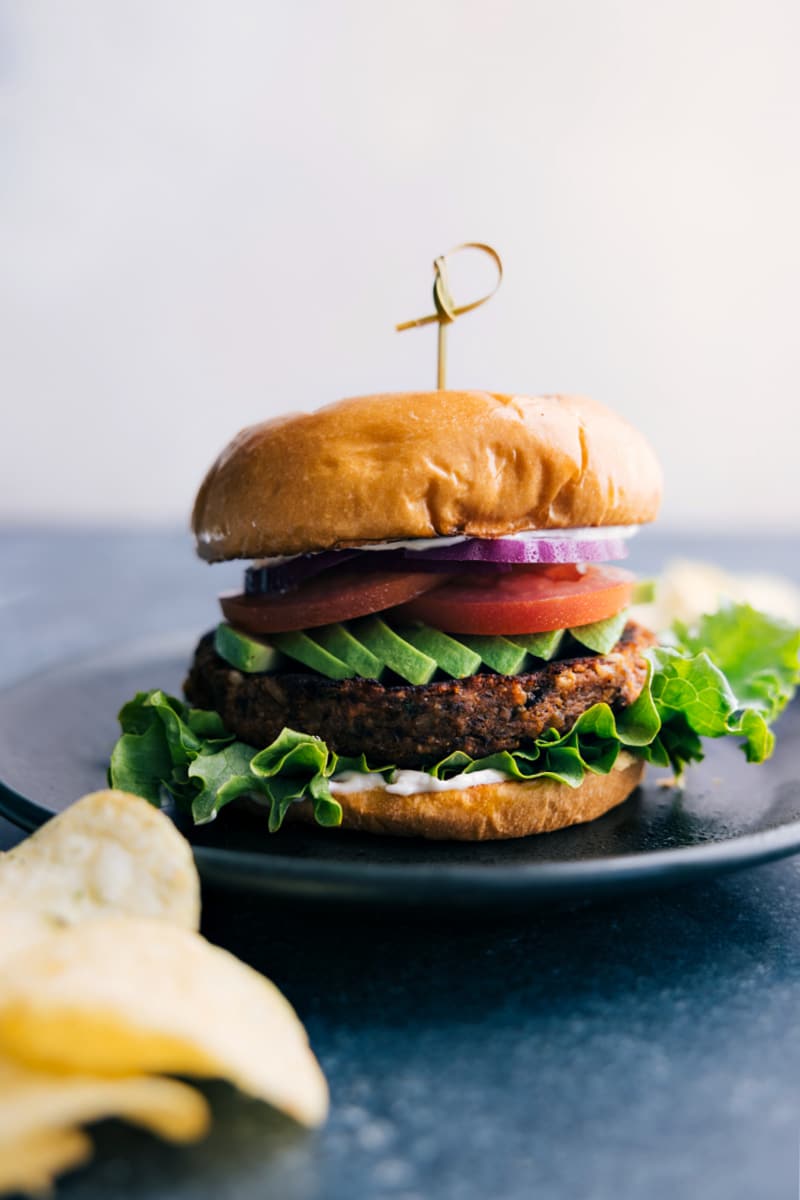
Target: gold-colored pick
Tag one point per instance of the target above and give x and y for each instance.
(446, 310)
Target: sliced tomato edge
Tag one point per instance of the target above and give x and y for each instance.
(240, 606)
(241, 609)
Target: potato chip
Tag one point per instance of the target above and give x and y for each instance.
(39, 1112)
(123, 995)
(32, 1100)
(20, 928)
(108, 852)
(33, 1162)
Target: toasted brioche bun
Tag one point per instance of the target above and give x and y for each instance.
(422, 465)
(489, 811)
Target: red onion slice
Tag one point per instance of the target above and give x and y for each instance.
(482, 555)
(527, 550)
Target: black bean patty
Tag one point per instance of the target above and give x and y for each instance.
(414, 726)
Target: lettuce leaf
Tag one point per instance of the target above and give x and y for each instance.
(223, 776)
(758, 654)
(729, 677)
(732, 675)
(162, 754)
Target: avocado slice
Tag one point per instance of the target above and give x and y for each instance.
(601, 636)
(453, 657)
(243, 652)
(540, 645)
(399, 655)
(311, 654)
(339, 641)
(497, 652)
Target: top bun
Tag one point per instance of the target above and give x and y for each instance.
(422, 465)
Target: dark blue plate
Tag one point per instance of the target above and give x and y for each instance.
(57, 729)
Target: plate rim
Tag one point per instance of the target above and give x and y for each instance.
(216, 864)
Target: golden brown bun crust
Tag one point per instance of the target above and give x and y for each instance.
(421, 465)
(491, 810)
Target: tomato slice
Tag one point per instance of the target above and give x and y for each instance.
(336, 595)
(529, 599)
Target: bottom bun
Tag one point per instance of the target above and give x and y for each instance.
(490, 810)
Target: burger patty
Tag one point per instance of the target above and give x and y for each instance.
(415, 726)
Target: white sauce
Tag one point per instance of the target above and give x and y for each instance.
(408, 783)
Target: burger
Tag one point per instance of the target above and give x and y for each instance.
(433, 638)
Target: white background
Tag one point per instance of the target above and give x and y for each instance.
(213, 212)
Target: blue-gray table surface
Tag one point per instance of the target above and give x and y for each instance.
(648, 1047)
